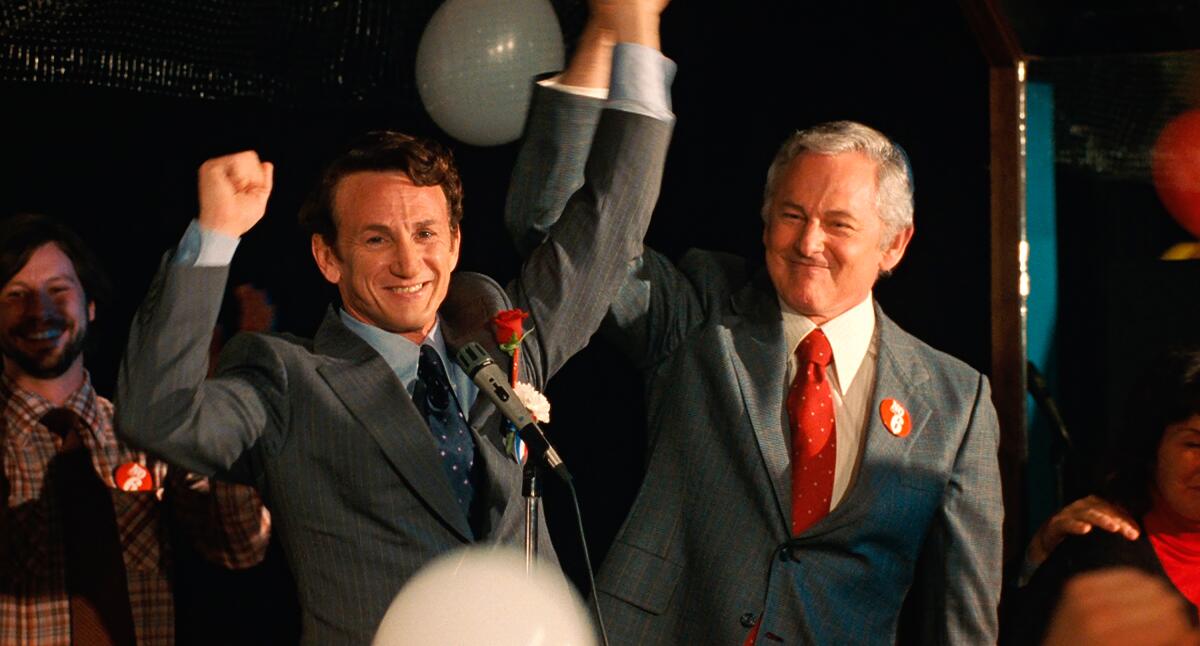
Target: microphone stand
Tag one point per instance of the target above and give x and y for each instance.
(531, 489)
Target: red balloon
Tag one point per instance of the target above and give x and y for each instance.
(1176, 168)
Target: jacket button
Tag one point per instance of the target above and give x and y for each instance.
(785, 554)
(747, 620)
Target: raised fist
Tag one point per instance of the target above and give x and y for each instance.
(234, 191)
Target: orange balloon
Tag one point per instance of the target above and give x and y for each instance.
(1175, 165)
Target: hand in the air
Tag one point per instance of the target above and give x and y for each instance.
(234, 191)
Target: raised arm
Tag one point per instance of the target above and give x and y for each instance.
(563, 118)
(558, 135)
(599, 167)
(164, 404)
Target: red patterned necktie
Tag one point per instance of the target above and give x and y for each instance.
(814, 439)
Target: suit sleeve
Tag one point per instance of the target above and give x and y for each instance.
(592, 237)
(227, 522)
(166, 406)
(550, 163)
(652, 302)
(972, 518)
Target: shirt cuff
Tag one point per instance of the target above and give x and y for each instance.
(202, 247)
(641, 81)
(579, 90)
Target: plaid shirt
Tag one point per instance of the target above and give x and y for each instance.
(34, 606)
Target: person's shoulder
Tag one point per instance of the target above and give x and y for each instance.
(104, 407)
(730, 269)
(720, 274)
(898, 341)
(258, 347)
(469, 287)
(1099, 549)
(472, 300)
(281, 341)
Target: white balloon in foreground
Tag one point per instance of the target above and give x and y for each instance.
(482, 595)
(476, 62)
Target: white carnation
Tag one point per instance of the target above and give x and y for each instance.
(535, 401)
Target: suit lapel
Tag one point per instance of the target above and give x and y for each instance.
(755, 344)
(901, 375)
(374, 396)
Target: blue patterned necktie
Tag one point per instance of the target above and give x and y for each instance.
(437, 403)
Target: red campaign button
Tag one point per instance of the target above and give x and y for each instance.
(132, 476)
(895, 417)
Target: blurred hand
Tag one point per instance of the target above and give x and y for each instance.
(1079, 518)
(234, 191)
(1119, 606)
(605, 10)
(629, 21)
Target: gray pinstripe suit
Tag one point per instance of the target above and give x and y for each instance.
(327, 431)
(706, 548)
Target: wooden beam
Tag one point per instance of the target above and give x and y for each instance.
(1009, 280)
(1008, 286)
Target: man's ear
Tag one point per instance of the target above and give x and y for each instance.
(894, 251)
(91, 311)
(327, 259)
(455, 246)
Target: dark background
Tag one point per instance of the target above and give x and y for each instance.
(115, 152)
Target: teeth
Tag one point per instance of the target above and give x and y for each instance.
(46, 334)
(408, 290)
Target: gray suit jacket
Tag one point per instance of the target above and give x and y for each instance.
(327, 432)
(706, 552)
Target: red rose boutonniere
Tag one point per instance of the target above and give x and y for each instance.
(510, 332)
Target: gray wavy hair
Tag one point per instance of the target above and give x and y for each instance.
(894, 184)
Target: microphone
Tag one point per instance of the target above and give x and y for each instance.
(478, 364)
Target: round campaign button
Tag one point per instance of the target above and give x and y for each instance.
(132, 476)
(895, 417)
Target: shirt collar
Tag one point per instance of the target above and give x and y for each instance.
(400, 353)
(849, 335)
(24, 404)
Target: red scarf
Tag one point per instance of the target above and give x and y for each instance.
(1176, 541)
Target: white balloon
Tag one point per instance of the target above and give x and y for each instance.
(482, 595)
(476, 62)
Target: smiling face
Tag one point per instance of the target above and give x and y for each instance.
(394, 254)
(824, 238)
(1177, 470)
(44, 317)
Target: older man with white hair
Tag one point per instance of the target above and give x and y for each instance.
(804, 451)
